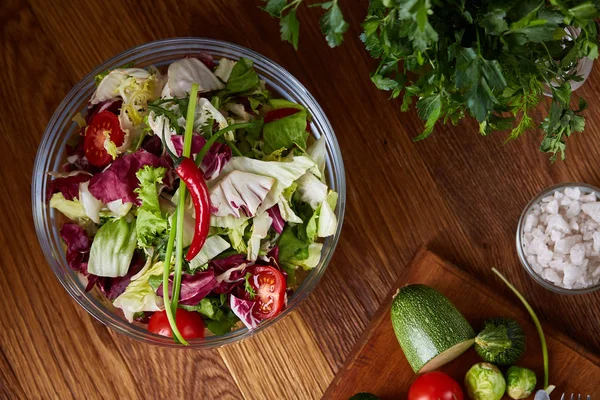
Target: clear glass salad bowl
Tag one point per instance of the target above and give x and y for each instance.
(51, 155)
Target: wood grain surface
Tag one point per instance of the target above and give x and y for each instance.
(377, 364)
(460, 193)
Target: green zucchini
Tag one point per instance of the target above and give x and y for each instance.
(430, 330)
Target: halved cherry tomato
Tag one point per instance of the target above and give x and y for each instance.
(269, 285)
(435, 386)
(104, 124)
(189, 323)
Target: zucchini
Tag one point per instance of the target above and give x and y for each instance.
(430, 330)
(501, 342)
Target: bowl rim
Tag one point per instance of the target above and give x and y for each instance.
(98, 311)
(519, 236)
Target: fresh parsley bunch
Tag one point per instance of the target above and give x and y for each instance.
(492, 59)
(332, 21)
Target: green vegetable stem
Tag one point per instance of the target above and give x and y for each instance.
(538, 326)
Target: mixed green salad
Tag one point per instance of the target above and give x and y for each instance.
(195, 179)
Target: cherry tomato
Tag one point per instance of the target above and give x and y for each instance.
(435, 386)
(269, 285)
(189, 323)
(103, 124)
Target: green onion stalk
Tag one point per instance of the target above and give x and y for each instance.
(547, 388)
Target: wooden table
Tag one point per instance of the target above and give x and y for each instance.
(457, 191)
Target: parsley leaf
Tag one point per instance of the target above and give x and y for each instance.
(290, 28)
(332, 22)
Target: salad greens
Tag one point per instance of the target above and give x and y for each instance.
(133, 220)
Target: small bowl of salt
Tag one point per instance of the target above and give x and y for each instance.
(558, 238)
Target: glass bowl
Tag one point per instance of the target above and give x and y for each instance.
(51, 155)
(585, 189)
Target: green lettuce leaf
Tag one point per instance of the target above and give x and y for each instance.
(260, 227)
(72, 209)
(112, 248)
(139, 295)
(150, 221)
(213, 246)
(242, 77)
(286, 132)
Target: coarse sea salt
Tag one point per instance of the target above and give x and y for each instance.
(561, 238)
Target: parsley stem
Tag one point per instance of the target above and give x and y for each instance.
(294, 4)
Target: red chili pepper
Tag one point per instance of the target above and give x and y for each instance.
(194, 180)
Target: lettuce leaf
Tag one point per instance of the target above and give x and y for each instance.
(243, 310)
(317, 152)
(284, 172)
(311, 190)
(213, 246)
(242, 77)
(327, 224)
(236, 237)
(78, 246)
(182, 73)
(224, 69)
(260, 227)
(193, 287)
(139, 295)
(309, 258)
(286, 132)
(72, 209)
(119, 180)
(112, 248)
(150, 222)
(239, 191)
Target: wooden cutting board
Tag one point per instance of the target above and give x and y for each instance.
(377, 364)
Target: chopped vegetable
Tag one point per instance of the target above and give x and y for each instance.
(430, 330)
(112, 248)
(485, 382)
(501, 342)
(520, 382)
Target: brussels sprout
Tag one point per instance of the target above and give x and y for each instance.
(520, 382)
(485, 382)
(502, 341)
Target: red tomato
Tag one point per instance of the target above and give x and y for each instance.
(270, 286)
(102, 125)
(279, 113)
(435, 386)
(189, 323)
